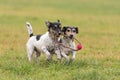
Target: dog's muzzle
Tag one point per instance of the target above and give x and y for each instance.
(59, 33)
(71, 37)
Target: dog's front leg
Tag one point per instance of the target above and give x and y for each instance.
(58, 53)
(73, 55)
(67, 57)
(49, 57)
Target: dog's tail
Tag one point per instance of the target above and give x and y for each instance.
(30, 31)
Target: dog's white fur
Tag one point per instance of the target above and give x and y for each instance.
(43, 45)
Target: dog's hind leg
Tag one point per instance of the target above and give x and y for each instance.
(37, 56)
(30, 52)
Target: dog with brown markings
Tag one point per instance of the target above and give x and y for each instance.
(67, 39)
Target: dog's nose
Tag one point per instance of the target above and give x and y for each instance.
(59, 33)
(71, 36)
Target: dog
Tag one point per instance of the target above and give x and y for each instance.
(67, 40)
(43, 43)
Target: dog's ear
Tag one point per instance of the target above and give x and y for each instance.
(47, 23)
(64, 29)
(76, 28)
(58, 20)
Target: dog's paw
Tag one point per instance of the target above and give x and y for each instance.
(68, 61)
(59, 59)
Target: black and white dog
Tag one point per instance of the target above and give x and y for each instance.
(43, 43)
(67, 40)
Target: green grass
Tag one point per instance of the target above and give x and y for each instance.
(99, 33)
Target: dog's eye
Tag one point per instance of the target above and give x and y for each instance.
(68, 30)
(74, 31)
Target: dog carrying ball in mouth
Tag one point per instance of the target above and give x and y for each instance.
(68, 34)
(43, 43)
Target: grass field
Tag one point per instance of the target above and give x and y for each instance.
(99, 33)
